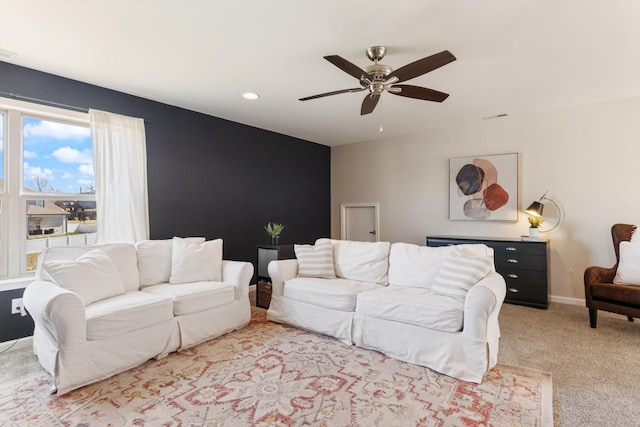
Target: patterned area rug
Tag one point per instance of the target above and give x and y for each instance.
(274, 375)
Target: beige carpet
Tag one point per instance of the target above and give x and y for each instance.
(269, 374)
(596, 372)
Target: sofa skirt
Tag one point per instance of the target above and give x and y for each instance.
(450, 353)
(313, 318)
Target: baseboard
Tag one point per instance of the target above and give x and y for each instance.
(13, 345)
(567, 300)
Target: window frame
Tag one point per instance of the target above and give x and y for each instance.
(13, 194)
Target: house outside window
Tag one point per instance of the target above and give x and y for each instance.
(47, 190)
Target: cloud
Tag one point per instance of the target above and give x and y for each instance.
(71, 155)
(31, 172)
(86, 169)
(30, 154)
(86, 182)
(56, 130)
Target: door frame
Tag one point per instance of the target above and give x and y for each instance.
(344, 207)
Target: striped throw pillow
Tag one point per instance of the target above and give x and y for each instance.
(315, 260)
(458, 274)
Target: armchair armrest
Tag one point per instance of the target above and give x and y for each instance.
(57, 312)
(281, 271)
(239, 274)
(599, 275)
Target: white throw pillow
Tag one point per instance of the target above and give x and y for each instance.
(154, 260)
(362, 261)
(315, 260)
(458, 274)
(416, 266)
(92, 276)
(628, 272)
(196, 262)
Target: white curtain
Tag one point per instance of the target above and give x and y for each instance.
(120, 167)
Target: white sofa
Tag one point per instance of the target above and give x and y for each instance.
(434, 307)
(104, 309)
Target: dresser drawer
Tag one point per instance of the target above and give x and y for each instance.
(527, 295)
(518, 277)
(517, 248)
(520, 261)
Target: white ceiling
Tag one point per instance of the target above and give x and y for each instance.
(515, 57)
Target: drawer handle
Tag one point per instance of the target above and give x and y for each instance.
(513, 290)
(511, 248)
(512, 276)
(512, 261)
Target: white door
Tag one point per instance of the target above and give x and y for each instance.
(359, 222)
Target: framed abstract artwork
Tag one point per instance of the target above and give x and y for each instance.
(484, 188)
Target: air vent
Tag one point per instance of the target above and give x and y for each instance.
(497, 116)
(7, 54)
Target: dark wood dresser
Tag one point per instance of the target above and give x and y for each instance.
(523, 264)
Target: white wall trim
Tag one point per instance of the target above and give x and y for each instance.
(22, 343)
(567, 300)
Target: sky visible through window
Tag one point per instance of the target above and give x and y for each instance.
(57, 157)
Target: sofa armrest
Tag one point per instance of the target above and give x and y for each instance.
(57, 312)
(239, 274)
(281, 271)
(483, 301)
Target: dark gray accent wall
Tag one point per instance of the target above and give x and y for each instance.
(208, 176)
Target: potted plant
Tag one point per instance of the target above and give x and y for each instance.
(534, 223)
(274, 231)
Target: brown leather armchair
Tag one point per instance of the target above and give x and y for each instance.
(600, 291)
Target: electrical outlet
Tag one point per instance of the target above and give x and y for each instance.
(17, 307)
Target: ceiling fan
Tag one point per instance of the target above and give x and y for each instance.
(378, 78)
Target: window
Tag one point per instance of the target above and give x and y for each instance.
(48, 190)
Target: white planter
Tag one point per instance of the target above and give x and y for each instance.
(533, 232)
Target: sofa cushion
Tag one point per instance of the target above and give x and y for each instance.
(125, 313)
(154, 260)
(194, 297)
(362, 261)
(628, 272)
(416, 266)
(125, 259)
(195, 261)
(60, 253)
(415, 306)
(123, 256)
(92, 276)
(315, 260)
(458, 274)
(335, 294)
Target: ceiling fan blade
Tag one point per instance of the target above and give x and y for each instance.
(369, 104)
(418, 92)
(335, 92)
(422, 66)
(347, 66)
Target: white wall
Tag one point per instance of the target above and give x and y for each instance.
(587, 157)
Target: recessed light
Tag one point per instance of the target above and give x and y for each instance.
(250, 95)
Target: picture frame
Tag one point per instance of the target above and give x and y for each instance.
(484, 188)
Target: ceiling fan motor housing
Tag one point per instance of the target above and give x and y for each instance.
(379, 73)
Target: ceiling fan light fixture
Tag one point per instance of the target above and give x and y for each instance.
(378, 78)
(250, 95)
